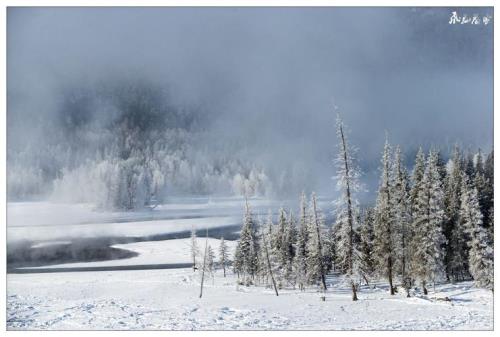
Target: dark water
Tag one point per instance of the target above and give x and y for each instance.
(95, 268)
(25, 254)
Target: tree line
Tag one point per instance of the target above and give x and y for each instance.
(432, 224)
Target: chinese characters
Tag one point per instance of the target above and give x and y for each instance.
(474, 19)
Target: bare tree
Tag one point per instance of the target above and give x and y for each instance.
(204, 265)
(269, 267)
(223, 254)
(347, 207)
(194, 247)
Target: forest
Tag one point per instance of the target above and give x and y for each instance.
(434, 224)
(125, 146)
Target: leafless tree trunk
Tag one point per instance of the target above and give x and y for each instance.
(204, 265)
(269, 266)
(354, 292)
(350, 220)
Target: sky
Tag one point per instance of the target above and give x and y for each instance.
(270, 77)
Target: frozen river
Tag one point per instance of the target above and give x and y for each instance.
(44, 234)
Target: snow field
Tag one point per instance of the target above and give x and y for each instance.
(168, 299)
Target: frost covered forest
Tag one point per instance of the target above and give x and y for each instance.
(430, 225)
(240, 168)
(122, 146)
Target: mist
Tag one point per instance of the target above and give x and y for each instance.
(258, 85)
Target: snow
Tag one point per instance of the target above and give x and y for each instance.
(168, 299)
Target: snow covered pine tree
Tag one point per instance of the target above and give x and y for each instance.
(347, 208)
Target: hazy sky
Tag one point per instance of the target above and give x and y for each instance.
(270, 76)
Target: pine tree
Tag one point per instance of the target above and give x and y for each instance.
(488, 190)
(403, 232)
(384, 231)
(300, 261)
(278, 233)
(238, 261)
(288, 248)
(246, 256)
(315, 258)
(480, 253)
(468, 165)
(195, 251)
(278, 246)
(455, 249)
(441, 166)
(347, 208)
(416, 186)
(427, 252)
(223, 255)
(417, 177)
(480, 183)
(366, 245)
(330, 249)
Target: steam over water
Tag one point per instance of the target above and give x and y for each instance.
(124, 108)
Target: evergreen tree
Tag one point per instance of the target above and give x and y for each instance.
(417, 177)
(223, 255)
(279, 246)
(480, 253)
(455, 249)
(246, 257)
(366, 245)
(300, 261)
(488, 190)
(441, 166)
(480, 183)
(384, 231)
(238, 261)
(288, 248)
(468, 165)
(427, 253)
(330, 249)
(347, 208)
(315, 257)
(402, 228)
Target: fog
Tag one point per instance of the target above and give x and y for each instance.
(262, 81)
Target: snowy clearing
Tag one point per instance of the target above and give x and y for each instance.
(168, 299)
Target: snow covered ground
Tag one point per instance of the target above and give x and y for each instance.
(168, 299)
